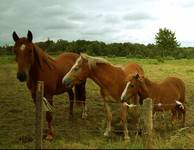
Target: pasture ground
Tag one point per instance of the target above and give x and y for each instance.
(17, 117)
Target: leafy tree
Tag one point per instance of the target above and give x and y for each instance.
(166, 40)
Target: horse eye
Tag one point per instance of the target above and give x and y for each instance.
(75, 69)
(131, 85)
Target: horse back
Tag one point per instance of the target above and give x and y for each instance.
(169, 91)
(52, 77)
(65, 61)
(131, 69)
(176, 84)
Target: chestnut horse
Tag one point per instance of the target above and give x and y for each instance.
(110, 78)
(34, 65)
(167, 95)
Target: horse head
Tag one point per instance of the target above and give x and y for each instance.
(135, 86)
(78, 73)
(26, 55)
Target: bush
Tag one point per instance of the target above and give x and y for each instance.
(160, 59)
(169, 58)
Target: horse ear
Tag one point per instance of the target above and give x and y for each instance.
(29, 36)
(137, 76)
(15, 36)
(83, 56)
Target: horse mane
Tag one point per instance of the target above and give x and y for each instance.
(92, 61)
(147, 81)
(42, 57)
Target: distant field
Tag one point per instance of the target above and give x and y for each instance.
(17, 112)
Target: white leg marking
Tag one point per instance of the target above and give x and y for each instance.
(125, 90)
(84, 112)
(130, 106)
(180, 104)
(108, 123)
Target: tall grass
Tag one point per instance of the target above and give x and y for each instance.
(17, 112)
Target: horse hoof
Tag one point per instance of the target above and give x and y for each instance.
(49, 137)
(106, 134)
(84, 115)
(70, 116)
(127, 139)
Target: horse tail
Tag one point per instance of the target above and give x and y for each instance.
(181, 110)
(181, 87)
(80, 93)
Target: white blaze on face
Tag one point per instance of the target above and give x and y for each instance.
(76, 63)
(67, 75)
(125, 90)
(22, 47)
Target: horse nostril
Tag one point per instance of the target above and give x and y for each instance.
(123, 99)
(21, 76)
(67, 82)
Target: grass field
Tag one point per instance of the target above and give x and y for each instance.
(17, 112)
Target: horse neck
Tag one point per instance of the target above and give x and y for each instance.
(37, 69)
(147, 88)
(108, 77)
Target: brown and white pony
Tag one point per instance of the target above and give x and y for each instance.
(110, 78)
(167, 95)
(34, 65)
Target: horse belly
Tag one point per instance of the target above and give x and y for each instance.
(60, 90)
(163, 107)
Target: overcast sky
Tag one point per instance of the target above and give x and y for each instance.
(135, 21)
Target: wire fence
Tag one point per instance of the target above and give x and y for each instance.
(27, 137)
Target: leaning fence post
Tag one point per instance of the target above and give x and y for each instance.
(147, 110)
(39, 114)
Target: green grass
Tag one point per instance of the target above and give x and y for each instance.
(17, 116)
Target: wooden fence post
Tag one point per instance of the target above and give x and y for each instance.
(39, 114)
(147, 110)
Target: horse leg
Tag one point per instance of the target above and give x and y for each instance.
(124, 114)
(49, 120)
(181, 114)
(84, 112)
(154, 115)
(71, 100)
(80, 94)
(48, 117)
(184, 114)
(109, 119)
(174, 115)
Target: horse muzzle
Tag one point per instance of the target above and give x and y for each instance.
(124, 98)
(67, 82)
(21, 76)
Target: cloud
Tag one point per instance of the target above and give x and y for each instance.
(127, 20)
(100, 31)
(62, 24)
(137, 16)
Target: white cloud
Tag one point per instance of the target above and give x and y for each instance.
(110, 21)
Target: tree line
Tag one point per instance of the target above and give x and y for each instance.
(166, 45)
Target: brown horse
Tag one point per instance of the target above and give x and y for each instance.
(35, 65)
(167, 95)
(110, 78)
